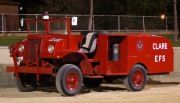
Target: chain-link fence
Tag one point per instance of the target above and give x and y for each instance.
(117, 23)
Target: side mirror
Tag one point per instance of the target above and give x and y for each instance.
(22, 21)
(74, 21)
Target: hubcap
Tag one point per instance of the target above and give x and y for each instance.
(138, 78)
(72, 81)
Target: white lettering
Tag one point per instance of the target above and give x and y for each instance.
(159, 58)
(158, 46)
(154, 46)
(156, 58)
(165, 46)
(164, 58)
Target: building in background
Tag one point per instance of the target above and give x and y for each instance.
(7, 11)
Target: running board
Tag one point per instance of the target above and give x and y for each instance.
(93, 77)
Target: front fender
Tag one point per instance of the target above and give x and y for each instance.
(81, 59)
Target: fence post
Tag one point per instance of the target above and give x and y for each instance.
(93, 22)
(166, 24)
(36, 24)
(119, 24)
(2, 24)
(144, 29)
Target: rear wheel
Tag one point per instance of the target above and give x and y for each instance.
(69, 80)
(25, 82)
(137, 78)
(92, 83)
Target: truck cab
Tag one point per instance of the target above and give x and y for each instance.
(52, 55)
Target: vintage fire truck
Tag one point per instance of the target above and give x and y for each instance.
(54, 56)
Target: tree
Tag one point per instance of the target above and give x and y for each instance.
(175, 22)
(109, 7)
(90, 15)
(101, 7)
(147, 7)
(98, 7)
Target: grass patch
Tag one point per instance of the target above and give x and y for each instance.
(171, 38)
(10, 40)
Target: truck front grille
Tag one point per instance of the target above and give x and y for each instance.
(30, 51)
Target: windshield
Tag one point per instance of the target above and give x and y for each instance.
(58, 27)
(47, 27)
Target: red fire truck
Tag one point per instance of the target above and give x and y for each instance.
(53, 55)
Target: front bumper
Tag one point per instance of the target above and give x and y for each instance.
(36, 69)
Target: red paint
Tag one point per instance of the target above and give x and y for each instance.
(72, 81)
(138, 78)
(155, 53)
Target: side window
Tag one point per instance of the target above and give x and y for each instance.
(36, 28)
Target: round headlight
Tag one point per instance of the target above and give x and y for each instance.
(21, 48)
(50, 48)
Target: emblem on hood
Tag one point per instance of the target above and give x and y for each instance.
(55, 39)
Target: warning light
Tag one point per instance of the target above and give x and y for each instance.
(45, 16)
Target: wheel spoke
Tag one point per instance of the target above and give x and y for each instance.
(72, 81)
(138, 78)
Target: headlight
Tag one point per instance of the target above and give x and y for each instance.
(50, 48)
(21, 48)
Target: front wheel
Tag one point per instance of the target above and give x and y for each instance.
(25, 82)
(69, 80)
(137, 78)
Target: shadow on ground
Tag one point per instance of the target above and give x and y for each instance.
(115, 86)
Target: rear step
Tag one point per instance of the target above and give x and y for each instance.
(93, 77)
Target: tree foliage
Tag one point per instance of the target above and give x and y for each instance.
(108, 7)
(101, 7)
(147, 7)
(55, 6)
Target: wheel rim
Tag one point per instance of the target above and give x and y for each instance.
(72, 81)
(138, 78)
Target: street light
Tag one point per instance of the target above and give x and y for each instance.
(162, 16)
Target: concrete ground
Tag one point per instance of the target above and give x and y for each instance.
(6, 79)
(159, 89)
(107, 93)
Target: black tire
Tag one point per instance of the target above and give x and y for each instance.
(92, 83)
(25, 82)
(137, 78)
(69, 80)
